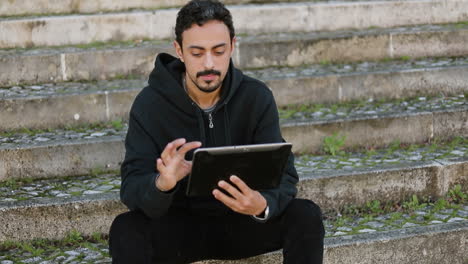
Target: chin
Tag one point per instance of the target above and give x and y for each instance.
(209, 89)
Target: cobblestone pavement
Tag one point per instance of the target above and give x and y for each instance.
(336, 225)
(296, 113)
(372, 108)
(361, 67)
(263, 74)
(340, 226)
(381, 159)
(55, 89)
(306, 165)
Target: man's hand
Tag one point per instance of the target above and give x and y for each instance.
(172, 165)
(244, 200)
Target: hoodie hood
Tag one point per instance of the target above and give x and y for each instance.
(166, 80)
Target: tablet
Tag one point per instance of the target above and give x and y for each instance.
(259, 166)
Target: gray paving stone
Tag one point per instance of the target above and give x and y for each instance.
(446, 211)
(407, 225)
(441, 217)
(375, 225)
(462, 213)
(343, 228)
(367, 230)
(339, 233)
(456, 219)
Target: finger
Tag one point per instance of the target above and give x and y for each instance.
(187, 147)
(177, 143)
(160, 166)
(233, 191)
(166, 154)
(240, 184)
(171, 149)
(228, 201)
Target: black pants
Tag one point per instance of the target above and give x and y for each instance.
(181, 237)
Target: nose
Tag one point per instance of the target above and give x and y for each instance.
(209, 64)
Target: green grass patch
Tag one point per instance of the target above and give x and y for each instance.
(117, 124)
(333, 144)
(55, 248)
(396, 210)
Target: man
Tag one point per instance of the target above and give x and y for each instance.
(201, 99)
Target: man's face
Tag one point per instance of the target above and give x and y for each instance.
(206, 51)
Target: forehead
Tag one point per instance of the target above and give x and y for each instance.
(208, 35)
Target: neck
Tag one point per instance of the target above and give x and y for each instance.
(202, 99)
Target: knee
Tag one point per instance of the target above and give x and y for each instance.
(128, 220)
(304, 213)
(126, 227)
(304, 209)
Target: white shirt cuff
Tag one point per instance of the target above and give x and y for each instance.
(265, 216)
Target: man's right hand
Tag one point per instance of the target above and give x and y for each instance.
(172, 165)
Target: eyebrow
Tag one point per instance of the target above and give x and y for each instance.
(202, 48)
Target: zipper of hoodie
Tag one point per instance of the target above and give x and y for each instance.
(210, 118)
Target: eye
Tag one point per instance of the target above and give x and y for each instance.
(196, 54)
(219, 52)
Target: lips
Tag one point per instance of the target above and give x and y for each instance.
(208, 77)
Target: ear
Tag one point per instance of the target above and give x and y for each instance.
(178, 50)
(233, 44)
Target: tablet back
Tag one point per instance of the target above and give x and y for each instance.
(259, 166)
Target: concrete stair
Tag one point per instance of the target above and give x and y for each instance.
(158, 24)
(90, 203)
(68, 65)
(103, 61)
(403, 246)
(53, 105)
(54, 153)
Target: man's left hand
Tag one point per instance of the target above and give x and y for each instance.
(244, 200)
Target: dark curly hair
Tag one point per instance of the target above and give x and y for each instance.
(199, 12)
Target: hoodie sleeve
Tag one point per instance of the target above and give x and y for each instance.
(138, 172)
(268, 131)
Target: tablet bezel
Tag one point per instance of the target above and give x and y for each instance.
(282, 150)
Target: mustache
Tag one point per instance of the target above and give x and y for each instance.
(208, 72)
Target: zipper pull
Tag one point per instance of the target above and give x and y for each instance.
(210, 117)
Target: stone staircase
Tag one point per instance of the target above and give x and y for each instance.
(383, 74)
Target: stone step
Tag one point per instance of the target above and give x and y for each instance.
(419, 245)
(17, 8)
(77, 151)
(54, 105)
(269, 18)
(104, 61)
(49, 208)
(414, 231)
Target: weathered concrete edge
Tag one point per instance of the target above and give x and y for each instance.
(61, 158)
(55, 159)
(76, 212)
(380, 130)
(43, 31)
(54, 111)
(55, 218)
(251, 52)
(334, 190)
(394, 84)
(50, 111)
(445, 243)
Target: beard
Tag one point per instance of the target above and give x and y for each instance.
(208, 86)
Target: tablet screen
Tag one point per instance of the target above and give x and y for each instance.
(259, 166)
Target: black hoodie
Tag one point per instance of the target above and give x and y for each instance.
(162, 112)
